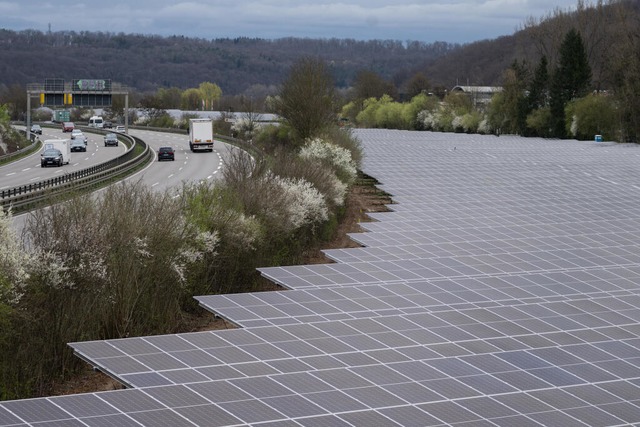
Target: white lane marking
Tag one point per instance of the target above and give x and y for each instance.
(35, 179)
(170, 176)
(157, 183)
(24, 170)
(12, 173)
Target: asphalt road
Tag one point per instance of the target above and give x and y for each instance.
(28, 169)
(187, 166)
(158, 175)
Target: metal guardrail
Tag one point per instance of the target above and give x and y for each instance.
(32, 147)
(36, 194)
(30, 195)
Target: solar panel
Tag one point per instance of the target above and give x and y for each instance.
(502, 288)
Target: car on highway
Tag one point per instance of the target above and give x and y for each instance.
(77, 134)
(36, 129)
(107, 125)
(166, 153)
(110, 139)
(78, 145)
(120, 128)
(51, 156)
(68, 126)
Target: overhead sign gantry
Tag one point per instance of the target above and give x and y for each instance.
(85, 93)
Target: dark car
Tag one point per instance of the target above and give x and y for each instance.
(166, 153)
(78, 145)
(110, 139)
(77, 134)
(36, 129)
(51, 156)
(107, 125)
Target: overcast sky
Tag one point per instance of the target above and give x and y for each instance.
(455, 21)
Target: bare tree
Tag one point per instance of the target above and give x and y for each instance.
(307, 99)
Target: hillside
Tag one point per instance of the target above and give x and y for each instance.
(148, 62)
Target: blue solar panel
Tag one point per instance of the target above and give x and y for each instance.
(502, 288)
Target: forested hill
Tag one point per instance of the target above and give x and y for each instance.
(147, 62)
(251, 65)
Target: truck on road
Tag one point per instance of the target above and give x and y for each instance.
(60, 116)
(200, 135)
(62, 145)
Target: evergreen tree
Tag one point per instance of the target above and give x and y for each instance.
(513, 98)
(539, 89)
(571, 79)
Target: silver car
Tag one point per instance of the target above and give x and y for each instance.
(77, 134)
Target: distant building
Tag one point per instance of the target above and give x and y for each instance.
(480, 95)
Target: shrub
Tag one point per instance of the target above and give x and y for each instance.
(471, 122)
(336, 157)
(539, 121)
(591, 115)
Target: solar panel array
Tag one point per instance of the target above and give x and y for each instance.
(502, 290)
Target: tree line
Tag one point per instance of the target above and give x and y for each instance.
(147, 62)
(584, 80)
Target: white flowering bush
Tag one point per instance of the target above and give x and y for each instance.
(305, 205)
(483, 126)
(427, 119)
(337, 157)
(53, 270)
(573, 129)
(204, 243)
(290, 204)
(457, 123)
(245, 126)
(245, 231)
(337, 191)
(13, 262)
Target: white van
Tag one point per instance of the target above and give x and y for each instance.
(96, 122)
(63, 145)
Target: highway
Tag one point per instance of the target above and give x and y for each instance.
(28, 170)
(160, 176)
(187, 167)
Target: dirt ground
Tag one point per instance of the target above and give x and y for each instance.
(360, 200)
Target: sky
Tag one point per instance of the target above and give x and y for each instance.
(455, 21)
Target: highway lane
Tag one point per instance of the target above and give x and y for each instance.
(160, 176)
(187, 166)
(28, 169)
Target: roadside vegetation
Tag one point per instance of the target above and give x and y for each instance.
(10, 139)
(129, 262)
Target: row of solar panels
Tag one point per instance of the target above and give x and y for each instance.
(502, 291)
